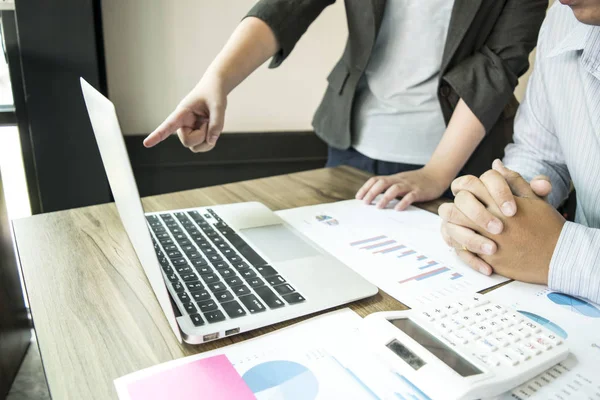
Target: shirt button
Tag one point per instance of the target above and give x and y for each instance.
(445, 91)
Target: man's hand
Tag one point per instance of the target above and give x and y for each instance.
(198, 119)
(414, 186)
(520, 246)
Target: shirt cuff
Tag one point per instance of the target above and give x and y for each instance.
(575, 264)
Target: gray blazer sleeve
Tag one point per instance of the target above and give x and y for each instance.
(486, 80)
(288, 19)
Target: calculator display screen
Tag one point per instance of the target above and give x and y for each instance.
(433, 345)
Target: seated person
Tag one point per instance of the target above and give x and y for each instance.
(557, 134)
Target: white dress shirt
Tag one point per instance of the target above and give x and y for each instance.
(397, 115)
(557, 133)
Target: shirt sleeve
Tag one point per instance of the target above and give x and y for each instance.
(536, 149)
(575, 264)
(289, 20)
(486, 80)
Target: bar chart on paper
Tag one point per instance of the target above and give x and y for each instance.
(409, 269)
(400, 252)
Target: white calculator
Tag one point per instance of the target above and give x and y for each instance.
(469, 348)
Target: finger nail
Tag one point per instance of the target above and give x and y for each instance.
(212, 139)
(487, 248)
(494, 227)
(483, 270)
(508, 209)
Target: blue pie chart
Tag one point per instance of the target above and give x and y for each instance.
(282, 380)
(546, 324)
(574, 304)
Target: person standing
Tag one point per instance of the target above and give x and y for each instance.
(422, 93)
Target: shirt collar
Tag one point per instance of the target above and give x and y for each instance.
(584, 38)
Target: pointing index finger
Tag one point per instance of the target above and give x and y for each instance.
(166, 129)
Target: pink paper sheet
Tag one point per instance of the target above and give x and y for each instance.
(212, 378)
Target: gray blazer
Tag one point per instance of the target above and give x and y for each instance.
(486, 51)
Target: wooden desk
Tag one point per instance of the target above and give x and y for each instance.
(94, 312)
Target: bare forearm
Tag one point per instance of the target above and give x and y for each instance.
(251, 44)
(462, 136)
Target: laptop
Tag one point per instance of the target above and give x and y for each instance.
(223, 270)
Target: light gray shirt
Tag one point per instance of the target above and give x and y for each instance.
(557, 133)
(397, 115)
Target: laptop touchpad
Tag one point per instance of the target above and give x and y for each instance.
(279, 243)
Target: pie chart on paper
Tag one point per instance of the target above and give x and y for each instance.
(574, 304)
(282, 380)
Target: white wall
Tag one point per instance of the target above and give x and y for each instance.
(156, 51)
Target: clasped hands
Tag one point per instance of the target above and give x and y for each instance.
(501, 223)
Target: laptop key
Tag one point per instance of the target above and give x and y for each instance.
(178, 287)
(184, 269)
(162, 235)
(174, 254)
(216, 287)
(234, 258)
(178, 262)
(207, 305)
(158, 229)
(199, 262)
(190, 308)
(209, 251)
(189, 277)
(188, 249)
(228, 253)
(252, 304)
(175, 230)
(194, 286)
(211, 278)
(193, 255)
(183, 296)
(293, 298)
(275, 280)
(220, 265)
(226, 272)
(234, 281)
(214, 258)
(204, 270)
(184, 242)
(163, 261)
(224, 296)
(214, 316)
(167, 269)
(248, 274)
(170, 247)
(151, 218)
(284, 289)
(266, 270)
(241, 266)
(217, 240)
(202, 295)
(172, 278)
(165, 241)
(241, 290)
(269, 297)
(233, 309)
(255, 282)
(166, 216)
(197, 320)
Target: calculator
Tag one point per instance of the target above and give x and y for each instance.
(467, 348)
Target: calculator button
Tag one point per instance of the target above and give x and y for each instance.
(486, 345)
(516, 318)
(499, 309)
(500, 339)
(489, 359)
(467, 319)
(531, 348)
(490, 312)
(543, 343)
(555, 340)
(463, 305)
(444, 326)
(509, 358)
(479, 316)
(451, 309)
(495, 326)
(483, 329)
(460, 337)
(523, 332)
(439, 312)
(533, 328)
(428, 316)
(513, 337)
(471, 334)
(519, 353)
(506, 321)
(456, 324)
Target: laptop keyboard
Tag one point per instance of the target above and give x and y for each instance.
(213, 272)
